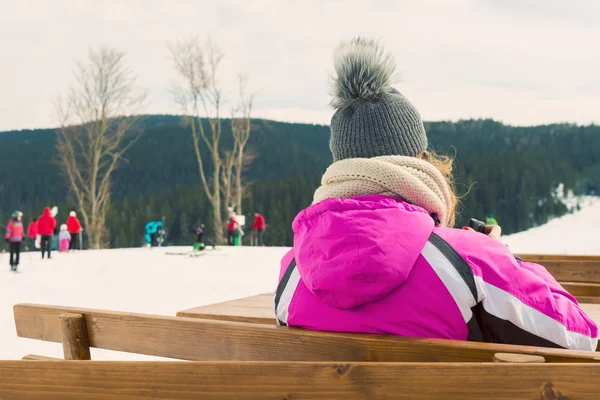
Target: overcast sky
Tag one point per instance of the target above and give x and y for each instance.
(518, 61)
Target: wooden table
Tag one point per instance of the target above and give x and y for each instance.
(259, 310)
(256, 309)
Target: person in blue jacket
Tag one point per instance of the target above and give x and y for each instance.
(151, 232)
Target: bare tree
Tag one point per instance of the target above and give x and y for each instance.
(227, 175)
(197, 65)
(240, 128)
(96, 129)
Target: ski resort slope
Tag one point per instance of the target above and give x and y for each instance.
(576, 233)
(134, 280)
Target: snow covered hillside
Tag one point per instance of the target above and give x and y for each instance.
(135, 280)
(575, 233)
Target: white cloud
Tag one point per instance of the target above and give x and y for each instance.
(523, 62)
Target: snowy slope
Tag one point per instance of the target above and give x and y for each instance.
(134, 280)
(575, 233)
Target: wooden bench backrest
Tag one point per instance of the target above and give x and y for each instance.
(198, 339)
(96, 380)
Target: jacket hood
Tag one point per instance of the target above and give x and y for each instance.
(351, 252)
(47, 212)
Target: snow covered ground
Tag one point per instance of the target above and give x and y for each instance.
(575, 233)
(134, 280)
(150, 281)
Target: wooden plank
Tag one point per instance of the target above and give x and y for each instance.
(565, 257)
(592, 310)
(198, 339)
(517, 358)
(582, 288)
(574, 271)
(588, 300)
(96, 380)
(584, 292)
(256, 309)
(35, 357)
(259, 309)
(74, 337)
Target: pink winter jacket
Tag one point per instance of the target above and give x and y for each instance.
(375, 264)
(14, 231)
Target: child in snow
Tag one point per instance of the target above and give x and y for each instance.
(14, 236)
(64, 239)
(199, 244)
(376, 251)
(232, 227)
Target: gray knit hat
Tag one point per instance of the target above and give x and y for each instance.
(372, 118)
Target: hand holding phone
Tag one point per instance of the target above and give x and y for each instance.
(493, 231)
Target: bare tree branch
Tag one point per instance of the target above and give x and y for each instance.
(197, 65)
(95, 131)
(241, 128)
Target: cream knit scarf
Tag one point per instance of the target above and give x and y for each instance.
(410, 178)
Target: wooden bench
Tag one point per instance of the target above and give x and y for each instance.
(580, 275)
(257, 360)
(235, 350)
(568, 268)
(210, 339)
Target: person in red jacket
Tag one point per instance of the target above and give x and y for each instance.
(14, 236)
(46, 225)
(258, 229)
(32, 230)
(231, 227)
(74, 228)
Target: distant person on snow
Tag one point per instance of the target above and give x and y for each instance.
(376, 251)
(490, 220)
(54, 212)
(151, 232)
(64, 239)
(15, 234)
(74, 227)
(32, 229)
(46, 225)
(199, 244)
(258, 230)
(232, 228)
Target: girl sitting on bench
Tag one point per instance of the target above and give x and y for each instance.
(376, 251)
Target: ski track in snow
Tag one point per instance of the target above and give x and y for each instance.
(133, 280)
(150, 281)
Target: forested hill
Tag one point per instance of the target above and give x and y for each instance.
(512, 172)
